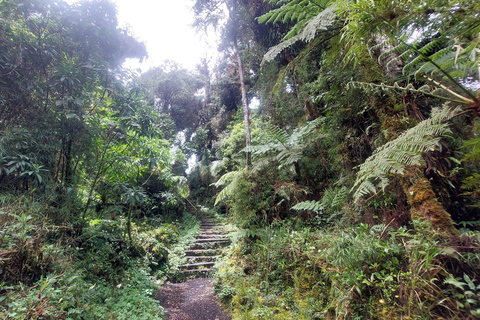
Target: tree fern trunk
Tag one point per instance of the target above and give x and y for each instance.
(425, 210)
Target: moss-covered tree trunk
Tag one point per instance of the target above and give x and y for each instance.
(425, 210)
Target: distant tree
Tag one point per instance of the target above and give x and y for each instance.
(174, 90)
(227, 14)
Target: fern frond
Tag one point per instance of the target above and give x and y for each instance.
(274, 51)
(224, 194)
(315, 206)
(330, 205)
(301, 133)
(423, 89)
(291, 155)
(216, 166)
(406, 150)
(227, 179)
(321, 22)
(276, 134)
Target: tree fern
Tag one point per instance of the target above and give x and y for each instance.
(281, 147)
(329, 207)
(292, 11)
(227, 180)
(315, 206)
(303, 31)
(406, 150)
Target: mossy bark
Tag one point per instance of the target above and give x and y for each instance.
(425, 210)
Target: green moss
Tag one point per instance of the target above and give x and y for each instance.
(423, 204)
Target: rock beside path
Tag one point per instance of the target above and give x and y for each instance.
(191, 300)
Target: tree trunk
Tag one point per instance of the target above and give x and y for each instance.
(426, 212)
(246, 112)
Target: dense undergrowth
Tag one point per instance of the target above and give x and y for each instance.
(89, 271)
(290, 271)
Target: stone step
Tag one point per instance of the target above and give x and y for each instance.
(196, 266)
(202, 258)
(210, 245)
(209, 240)
(205, 252)
(196, 273)
(212, 235)
(216, 230)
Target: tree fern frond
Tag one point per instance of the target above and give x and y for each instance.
(274, 51)
(226, 178)
(406, 150)
(315, 206)
(224, 194)
(423, 89)
(331, 204)
(320, 22)
(216, 166)
(276, 134)
(429, 47)
(300, 133)
(289, 156)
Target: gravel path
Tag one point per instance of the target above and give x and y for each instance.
(191, 300)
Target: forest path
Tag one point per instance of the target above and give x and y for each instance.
(191, 300)
(194, 299)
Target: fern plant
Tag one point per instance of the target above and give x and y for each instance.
(228, 181)
(471, 184)
(329, 207)
(281, 147)
(310, 18)
(395, 156)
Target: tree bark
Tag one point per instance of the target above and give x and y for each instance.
(246, 112)
(426, 212)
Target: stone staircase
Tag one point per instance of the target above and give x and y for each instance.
(209, 244)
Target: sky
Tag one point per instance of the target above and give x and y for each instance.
(164, 26)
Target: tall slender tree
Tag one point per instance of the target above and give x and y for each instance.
(226, 13)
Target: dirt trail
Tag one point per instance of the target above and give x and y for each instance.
(191, 300)
(194, 299)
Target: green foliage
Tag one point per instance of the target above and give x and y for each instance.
(467, 294)
(287, 149)
(103, 277)
(328, 208)
(363, 272)
(406, 150)
(311, 18)
(227, 179)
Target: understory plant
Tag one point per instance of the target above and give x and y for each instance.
(92, 271)
(360, 272)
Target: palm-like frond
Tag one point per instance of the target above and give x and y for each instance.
(305, 31)
(293, 11)
(330, 206)
(281, 147)
(315, 206)
(227, 180)
(406, 150)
